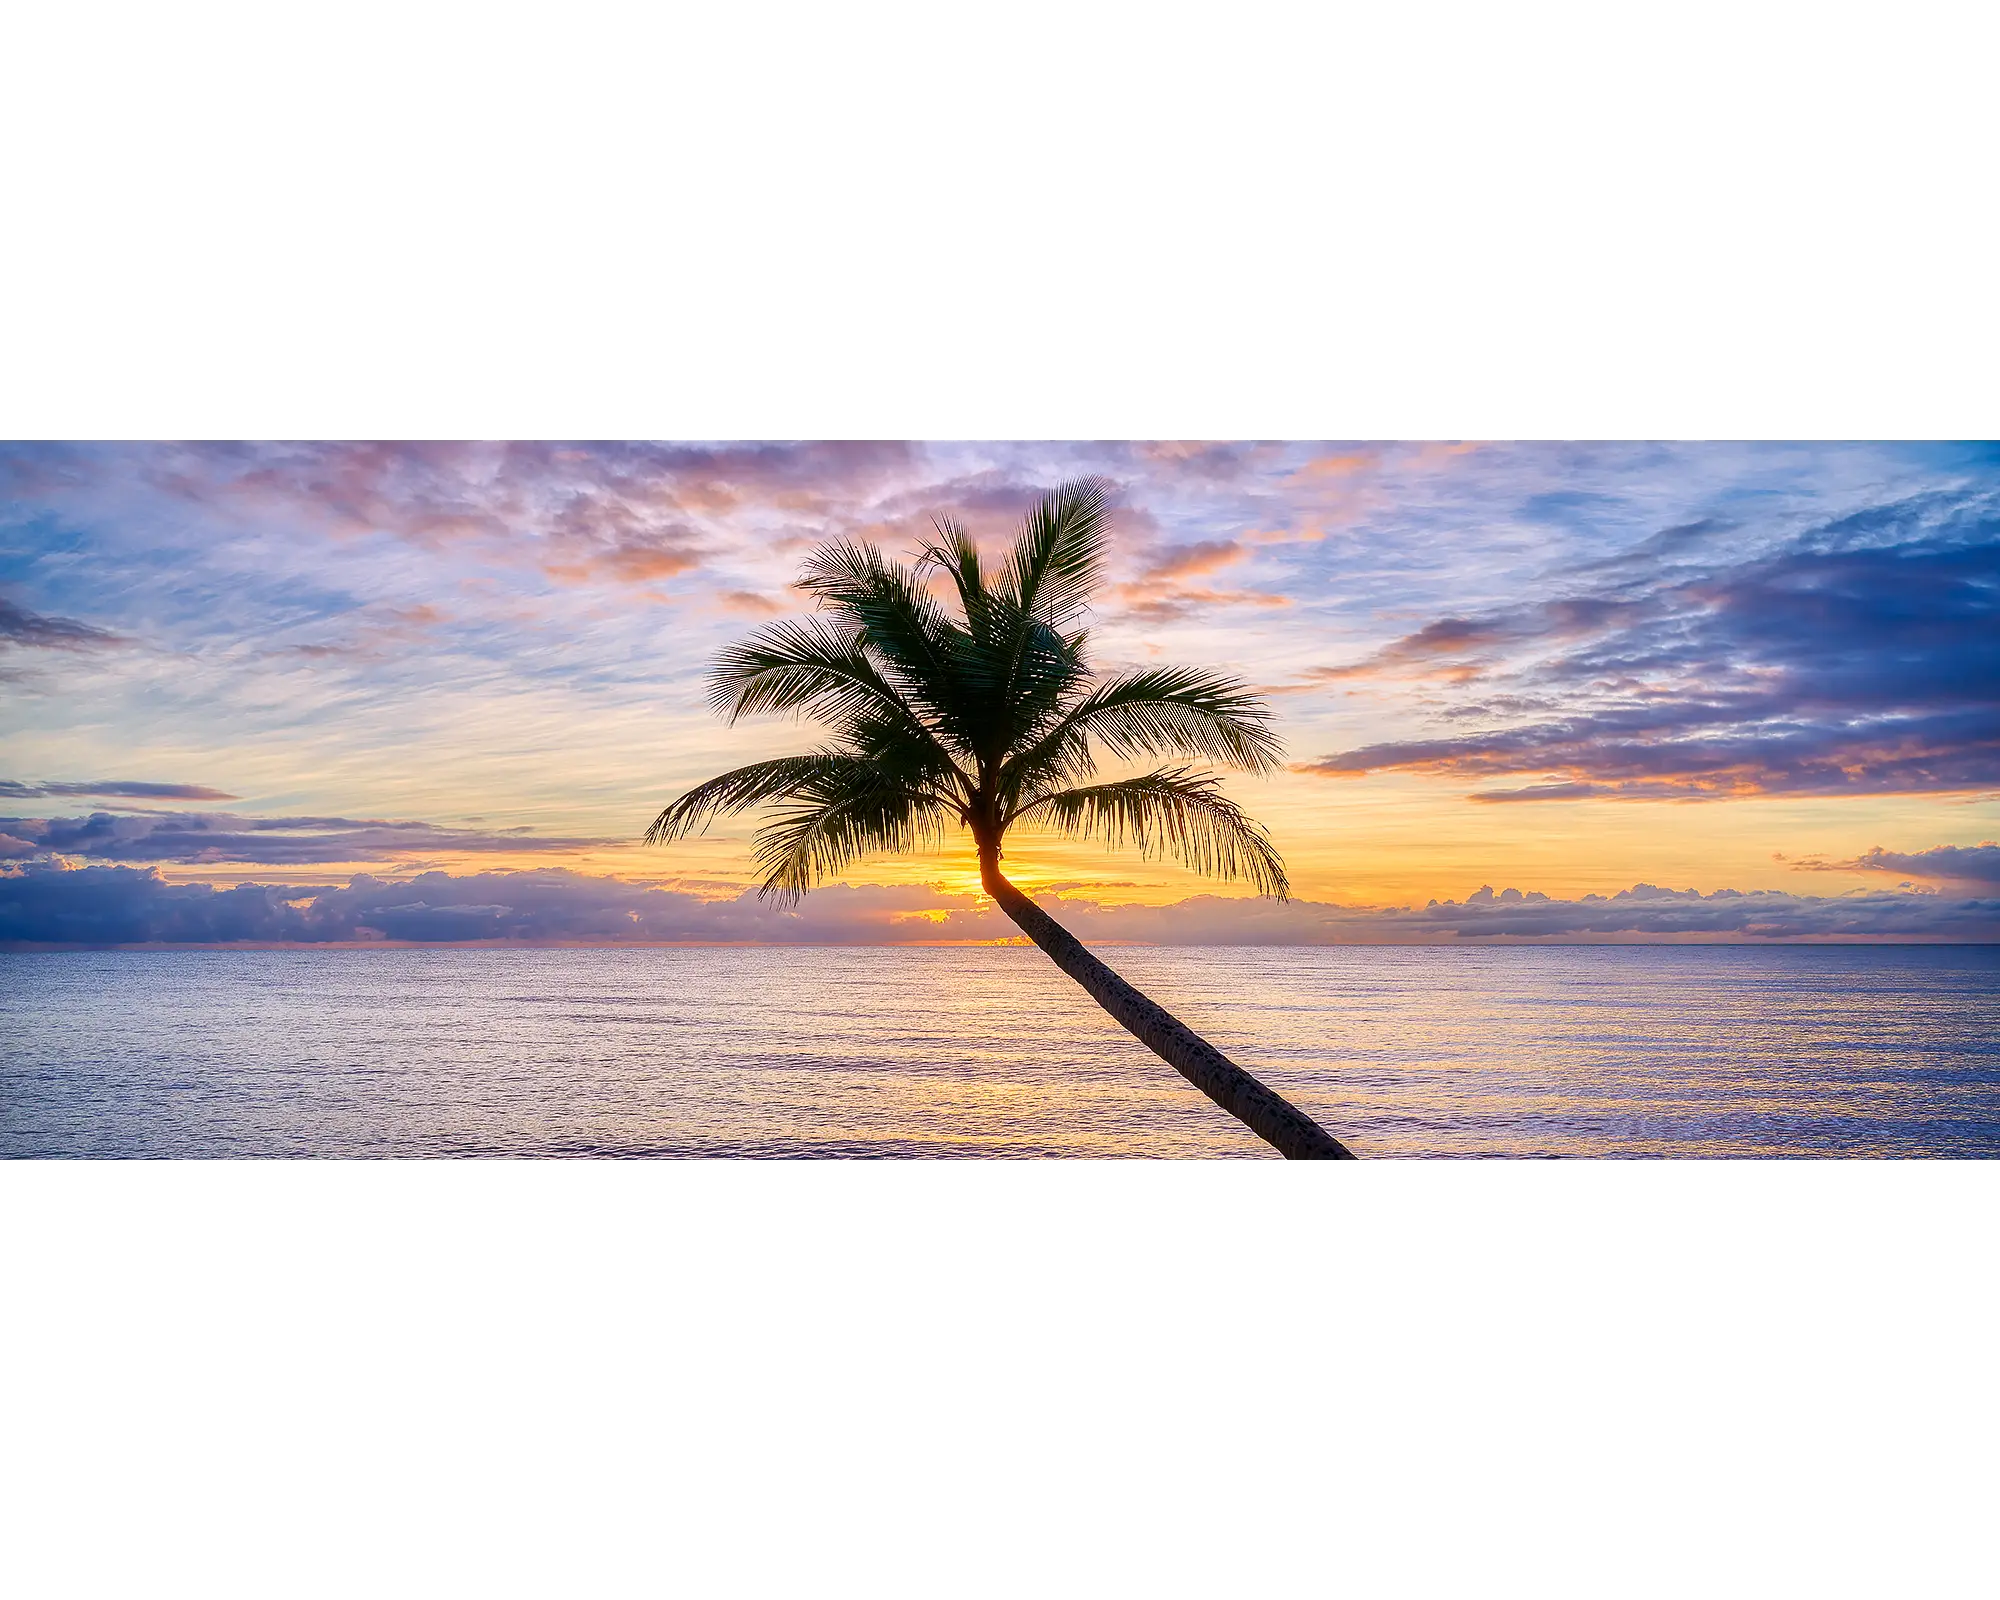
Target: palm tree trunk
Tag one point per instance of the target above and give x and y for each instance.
(1263, 1111)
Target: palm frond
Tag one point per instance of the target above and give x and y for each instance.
(1047, 671)
(1059, 558)
(853, 814)
(1171, 812)
(904, 628)
(954, 553)
(883, 600)
(811, 667)
(919, 764)
(1161, 711)
(982, 714)
(743, 789)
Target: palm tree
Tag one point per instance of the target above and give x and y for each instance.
(989, 719)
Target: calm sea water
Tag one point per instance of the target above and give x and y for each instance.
(1823, 1051)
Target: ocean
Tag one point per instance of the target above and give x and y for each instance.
(1657, 1051)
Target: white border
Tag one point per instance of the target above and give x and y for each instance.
(1432, 221)
(423, 1378)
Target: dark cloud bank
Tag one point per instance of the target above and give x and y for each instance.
(1976, 864)
(48, 902)
(1861, 656)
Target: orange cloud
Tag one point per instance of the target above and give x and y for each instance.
(1141, 602)
(1341, 466)
(1194, 560)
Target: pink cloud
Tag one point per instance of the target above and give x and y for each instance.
(749, 604)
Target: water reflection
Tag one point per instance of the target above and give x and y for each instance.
(991, 1052)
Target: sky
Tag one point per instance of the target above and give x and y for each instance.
(408, 691)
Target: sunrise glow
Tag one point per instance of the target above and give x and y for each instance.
(464, 676)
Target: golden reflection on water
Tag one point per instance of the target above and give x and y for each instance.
(990, 1051)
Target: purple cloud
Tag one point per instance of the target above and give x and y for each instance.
(189, 838)
(112, 788)
(1863, 657)
(614, 512)
(41, 903)
(31, 630)
(1946, 863)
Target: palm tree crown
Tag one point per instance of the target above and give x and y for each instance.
(984, 713)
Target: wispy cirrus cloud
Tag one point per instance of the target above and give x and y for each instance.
(620, 513)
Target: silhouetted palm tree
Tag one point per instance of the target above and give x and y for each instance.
(990, 719)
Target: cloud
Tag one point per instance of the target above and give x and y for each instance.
(1159, 592)
(1209, 461)
(1666, 753)
(611, 513)
(43, 903)
(1536, 623)
(31, 630)
(1669, 544)
(1641, 914)
(1461, 648)
(48, 903)
(748, 603)
(1189, 602)
(1546, 791)
(373, 633)
(990, 502)
(1861, 656)
(112, 788)
(1945, 863)
(216, 838)
(1342, 465)
(618, 512)
(1192, 560)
